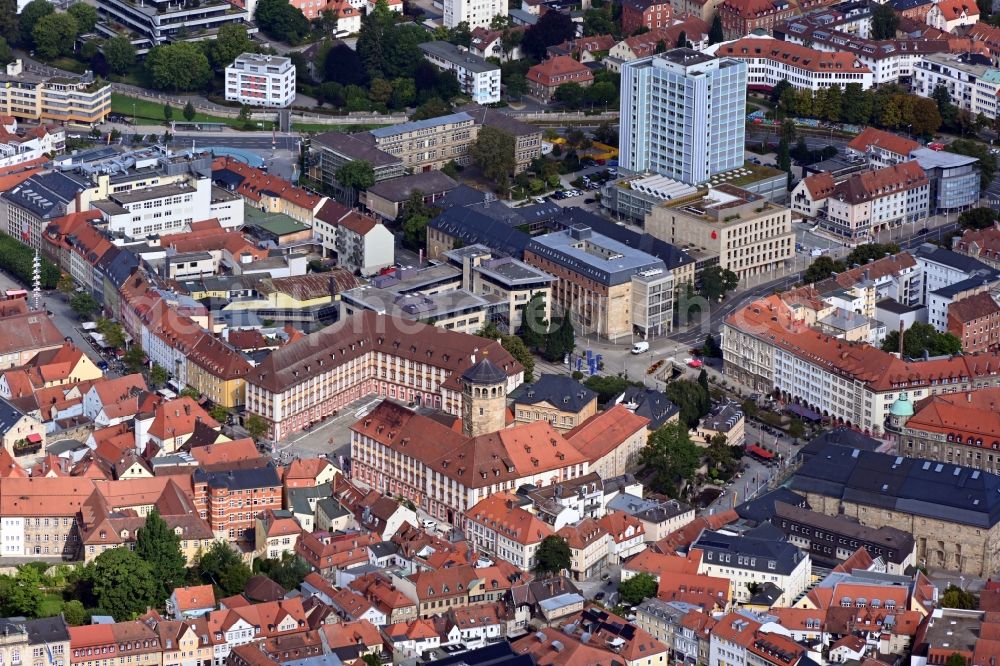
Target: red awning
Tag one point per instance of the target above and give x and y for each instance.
(755, 450)
(34, 439)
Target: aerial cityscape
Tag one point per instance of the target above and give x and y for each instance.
(499, 333)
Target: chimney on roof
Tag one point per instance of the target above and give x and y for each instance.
(901, 333)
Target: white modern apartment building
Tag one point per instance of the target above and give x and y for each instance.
(261, 80)
(478, 78)
(972, 87)
(682, 115)
(770, 61)
(477, 13)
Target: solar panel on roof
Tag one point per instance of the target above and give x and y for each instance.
(628, 632)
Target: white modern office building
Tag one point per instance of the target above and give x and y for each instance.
(682, 115)
(477, 13)
(261, 80)
(479, 79)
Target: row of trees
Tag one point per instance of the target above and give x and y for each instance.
(50, 34)
(889, 107)
(18, 259)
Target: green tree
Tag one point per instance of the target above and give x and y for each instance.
(54, 35)
(493, 151)
(516, 347)
(987, 164)
(715, 34)
(749, 408)
(956, 597)
(432, 108)
(977, 218)
(231, 41)
(856, 104)
(343, 65)
(181, 66)
(413, 219)
(948, 111)
(607, 387)
(796, 428)
(9, 28)
(255, 426)
(551, 29)
(460, 35)
(553, 555)
(158, 375)
(282, 21)
(222, 567)
(380, 91)
(833, 99)
(884, 22)
(599, 22)
(703, 380)
(6, 53)
(33, 12)
(85, 15)
(356, 176)
(671, 457)
(22, 595)
(821, 268)
(124, 584)
(638, 588)
(600, 94)
(925, 119)
(920, 338)
(160, 548)
(168, 113)
(83, 304)
(956, 659)
(373, 39)
(711, 347)
(288, 571)
(112, 331)
(119, 54)
(219, 413)
(75, 614)
(534, 325)
(862, 254)
(135, 358)
(716, 282)
(691, 398)
(66, 284)
(189, 112)
(570, 95)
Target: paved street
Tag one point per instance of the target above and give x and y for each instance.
(62, 316)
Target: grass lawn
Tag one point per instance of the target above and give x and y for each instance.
(52, 604)
(148, 110)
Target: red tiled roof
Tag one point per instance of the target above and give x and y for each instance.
(602, 433)
(876, 138)
(559, 66)
(796, 55)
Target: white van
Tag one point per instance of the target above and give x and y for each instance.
(428, 524)
(640, 347)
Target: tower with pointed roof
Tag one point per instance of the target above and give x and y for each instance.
(484, 398)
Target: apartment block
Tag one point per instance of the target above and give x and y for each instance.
(546, 77)
(61, 99)
(745, 560)
(770, 61)
(972, 85)
(749, 234)
(478, 79)
(694, 128)
(231, 500)
(261, 80)
(477, 13)
(157, 22)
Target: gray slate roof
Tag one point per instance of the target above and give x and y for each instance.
(558, 390)
(908, 485)
(762, 552)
